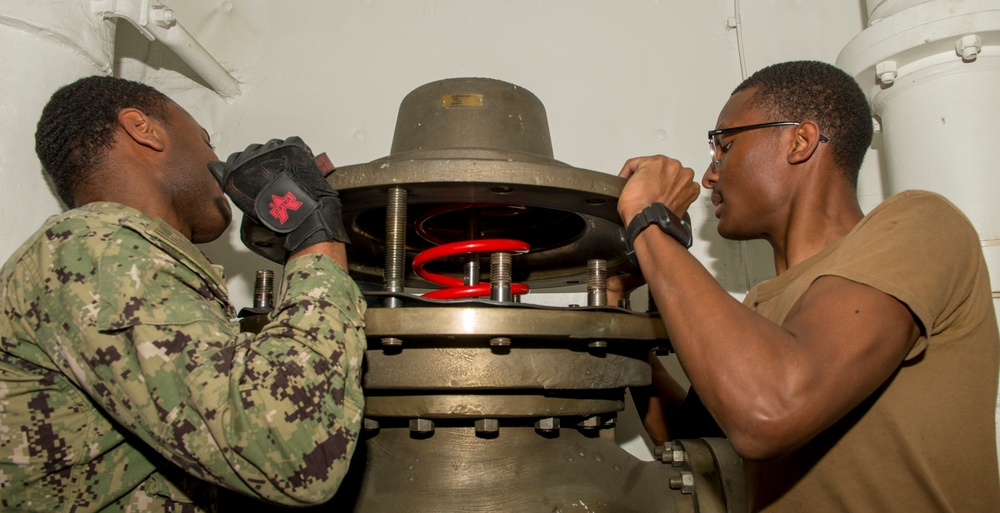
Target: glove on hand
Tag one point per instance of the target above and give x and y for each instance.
(279, 186)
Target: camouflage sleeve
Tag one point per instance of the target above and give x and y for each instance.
(274, 415)
(304, 428)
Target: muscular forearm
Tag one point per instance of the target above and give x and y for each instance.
(773, 387)
(738, 361)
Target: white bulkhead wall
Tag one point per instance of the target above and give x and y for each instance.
(618, 79)
(44, 44)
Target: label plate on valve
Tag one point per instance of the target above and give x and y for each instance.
(461, 100)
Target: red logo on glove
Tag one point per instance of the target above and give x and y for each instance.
(280, 205)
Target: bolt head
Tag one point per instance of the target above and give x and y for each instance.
(547, 424)
(886, 72)
(683, 482)
(421, 426)
(969, 47)
(487, 426)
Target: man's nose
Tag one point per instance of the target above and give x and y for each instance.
(709, 178)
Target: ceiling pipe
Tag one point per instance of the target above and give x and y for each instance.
(157, 22)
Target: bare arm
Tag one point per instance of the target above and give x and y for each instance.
(771, 388)
(657, 403)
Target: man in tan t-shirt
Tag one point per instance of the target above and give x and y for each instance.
(864, 376)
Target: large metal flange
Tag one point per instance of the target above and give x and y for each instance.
(465, 369)
(472, 321)
(476, 406)
(474, 158)
(567, 214)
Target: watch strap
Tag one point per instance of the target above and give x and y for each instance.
(667, 221)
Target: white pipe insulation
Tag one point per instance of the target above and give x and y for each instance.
(931, 70)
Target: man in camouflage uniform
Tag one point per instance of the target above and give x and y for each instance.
(125, 384)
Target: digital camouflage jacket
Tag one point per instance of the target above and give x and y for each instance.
(125, 384)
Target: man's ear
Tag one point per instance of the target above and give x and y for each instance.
(807, 139)
(141, 128)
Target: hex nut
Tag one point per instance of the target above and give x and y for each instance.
(547, 424)
(421, 426)
(683, 482)
(487, 426)
(886, 72)
(968, 47)
(672, 453)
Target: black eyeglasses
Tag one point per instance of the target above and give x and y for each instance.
(713, 145)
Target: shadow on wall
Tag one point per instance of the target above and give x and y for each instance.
(134, 54)
(736, 265)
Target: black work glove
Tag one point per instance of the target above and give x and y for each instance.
(279, 186)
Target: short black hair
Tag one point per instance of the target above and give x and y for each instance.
(822, 93)
(78, 125)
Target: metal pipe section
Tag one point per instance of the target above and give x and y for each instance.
(468, 399)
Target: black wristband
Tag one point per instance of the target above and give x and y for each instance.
(669, 223)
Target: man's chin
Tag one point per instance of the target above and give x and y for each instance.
(225, 215)
(730, 233)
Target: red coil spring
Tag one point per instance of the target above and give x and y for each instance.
(456, 287)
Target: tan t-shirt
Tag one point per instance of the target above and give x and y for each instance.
(925, 440)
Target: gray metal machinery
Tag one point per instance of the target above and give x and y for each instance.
(476, 401)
